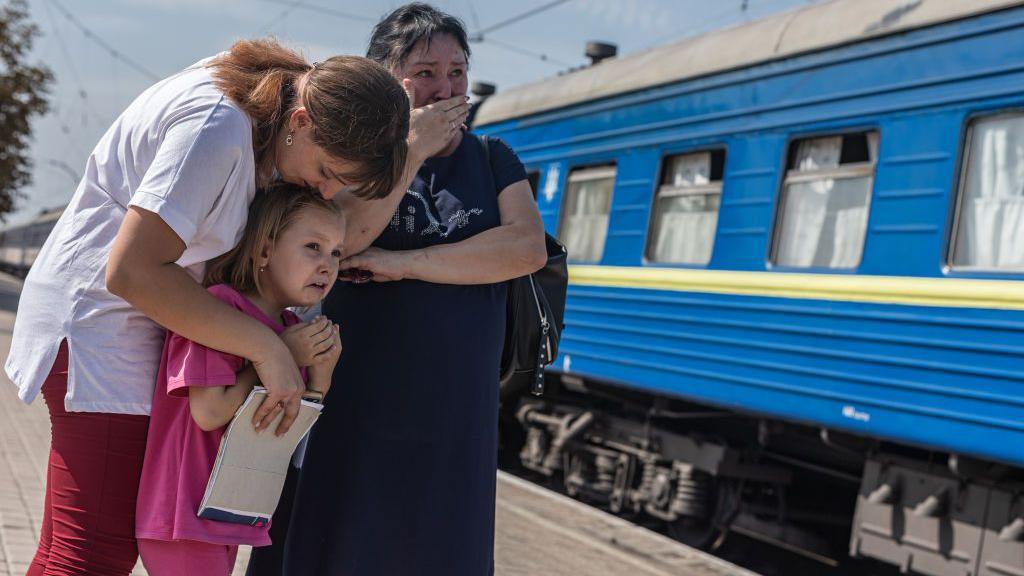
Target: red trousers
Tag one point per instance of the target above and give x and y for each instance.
(91, 484)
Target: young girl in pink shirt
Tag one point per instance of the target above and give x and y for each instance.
(288, 256)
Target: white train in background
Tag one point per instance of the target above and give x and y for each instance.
(20, 243)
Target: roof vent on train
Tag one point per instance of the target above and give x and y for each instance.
(482, 91)
(781, 36)
(598, 51)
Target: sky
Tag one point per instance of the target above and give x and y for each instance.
(119, 47)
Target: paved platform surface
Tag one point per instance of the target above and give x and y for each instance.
(539, 533)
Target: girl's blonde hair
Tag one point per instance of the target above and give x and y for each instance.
(271, 213)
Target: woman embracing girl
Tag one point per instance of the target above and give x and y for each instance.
(288, 257)
(165, 190)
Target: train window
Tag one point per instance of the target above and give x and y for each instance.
(685, 210)
(989, 228)
(585, 209)
(823, 214)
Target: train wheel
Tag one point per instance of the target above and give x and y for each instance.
(697, 533)
(708, 531)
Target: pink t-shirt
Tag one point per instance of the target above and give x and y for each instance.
(179, 454)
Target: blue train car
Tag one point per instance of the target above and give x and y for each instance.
(797, 253)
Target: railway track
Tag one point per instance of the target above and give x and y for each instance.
(755, 555)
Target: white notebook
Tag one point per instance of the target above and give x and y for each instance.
(250, 469)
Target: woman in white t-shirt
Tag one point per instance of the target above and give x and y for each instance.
(166, 189)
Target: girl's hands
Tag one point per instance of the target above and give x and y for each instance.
(308, 341)
(433, 126)
(321, 371)
(375, 265)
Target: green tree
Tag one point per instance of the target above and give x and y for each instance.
(23, 91)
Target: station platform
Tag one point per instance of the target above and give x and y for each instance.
(538, 532)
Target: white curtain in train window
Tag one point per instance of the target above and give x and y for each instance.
(824, 221)
(685, 229)
(689, 170)
(585, 221)
(991, 231)
(684, 225)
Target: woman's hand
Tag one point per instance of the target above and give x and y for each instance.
(277, 372)
(142, 270)
(307, 340)
(375, 265)
(433, 126)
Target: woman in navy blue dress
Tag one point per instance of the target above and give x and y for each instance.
(399, 475)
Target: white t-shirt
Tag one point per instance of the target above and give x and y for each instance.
(182, 150)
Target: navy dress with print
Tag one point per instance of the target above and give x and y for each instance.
(399, 476)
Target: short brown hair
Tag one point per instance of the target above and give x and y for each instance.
(359, 110)
(395, 36)
(270, 214)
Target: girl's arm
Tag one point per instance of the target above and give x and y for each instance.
(142, 270)
(513, 249)
(213, 407)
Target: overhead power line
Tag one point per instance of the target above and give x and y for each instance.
(280, 16)
(513, 48)
(532, 12)
(63, 167)
(472, 14)
(323, 10)
(709, 24)
(114, 52)
(479, 36)
(292, 5)
(75, 77)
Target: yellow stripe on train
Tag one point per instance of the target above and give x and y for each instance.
(946, 292)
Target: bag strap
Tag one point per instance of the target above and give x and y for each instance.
(485, 144)
(537, 383)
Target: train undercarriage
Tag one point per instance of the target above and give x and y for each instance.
(842, 503)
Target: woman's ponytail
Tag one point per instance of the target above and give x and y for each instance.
(260, 76)
(360, 112)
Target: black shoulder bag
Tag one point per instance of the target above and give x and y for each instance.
(533, 327)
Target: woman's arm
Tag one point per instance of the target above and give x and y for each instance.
(215, 406)
(514, 248)
(431, 128)
(141, 269)
(366, 219)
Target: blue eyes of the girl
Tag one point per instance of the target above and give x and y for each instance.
(316, 248)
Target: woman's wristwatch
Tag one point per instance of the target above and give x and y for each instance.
(313, 396)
